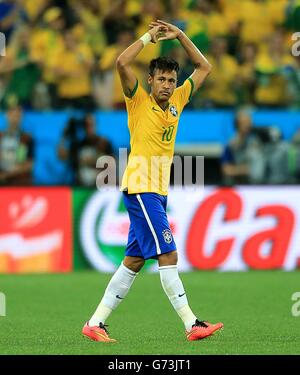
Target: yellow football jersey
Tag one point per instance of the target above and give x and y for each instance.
(152, 139)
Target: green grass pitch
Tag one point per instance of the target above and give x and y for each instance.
(45, 314)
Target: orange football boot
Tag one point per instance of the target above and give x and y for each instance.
(97, 333)
(202, 329)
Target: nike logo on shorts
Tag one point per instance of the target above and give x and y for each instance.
(181, 295)
(117, 296)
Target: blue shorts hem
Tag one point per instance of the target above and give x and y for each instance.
(150, 256)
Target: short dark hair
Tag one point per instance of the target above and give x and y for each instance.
(166, 64)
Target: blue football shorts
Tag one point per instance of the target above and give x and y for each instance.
(149, 233)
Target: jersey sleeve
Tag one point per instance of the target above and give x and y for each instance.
(137, 97)
(183, 93)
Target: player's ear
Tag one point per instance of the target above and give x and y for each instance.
(150, 79)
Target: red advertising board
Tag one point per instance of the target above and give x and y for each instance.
(246, 228)
(35, 230)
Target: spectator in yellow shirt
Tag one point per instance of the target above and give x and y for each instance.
(246, 78)
(90, 15)
(272, 90)
(219, 91)
(73, 67)
(260, 18)
(21, 73)
(209, 13)
(34, 9)
(45, 42)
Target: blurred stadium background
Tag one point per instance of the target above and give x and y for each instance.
(61, 107)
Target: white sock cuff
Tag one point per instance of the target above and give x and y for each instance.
(167, 267)
(130, 272)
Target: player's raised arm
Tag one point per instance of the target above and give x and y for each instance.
(202, 66)
(128, 79)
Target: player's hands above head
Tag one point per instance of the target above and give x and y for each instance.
(168, 33)
(156, 31)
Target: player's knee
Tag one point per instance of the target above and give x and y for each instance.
(168, 259)
(135, 264)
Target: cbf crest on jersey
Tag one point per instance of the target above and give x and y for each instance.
(173, 110)
(167, 236)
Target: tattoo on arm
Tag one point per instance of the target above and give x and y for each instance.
(128, 93)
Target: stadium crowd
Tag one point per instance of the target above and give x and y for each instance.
(62, 54)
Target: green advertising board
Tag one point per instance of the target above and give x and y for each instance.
(100, 227)
(79, 198)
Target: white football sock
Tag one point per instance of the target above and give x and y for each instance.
(174, 289)
(115, 292)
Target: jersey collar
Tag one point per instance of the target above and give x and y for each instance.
(157, 106)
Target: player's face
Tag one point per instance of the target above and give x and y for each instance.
(163, 84)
